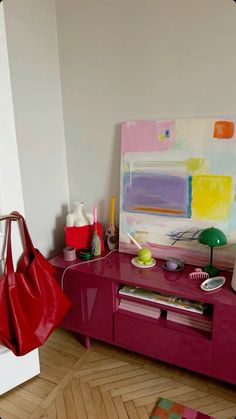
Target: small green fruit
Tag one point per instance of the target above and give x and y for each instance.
(149, 262)
(144, 255)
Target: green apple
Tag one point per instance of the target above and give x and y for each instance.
(149, 262)
(144, 255)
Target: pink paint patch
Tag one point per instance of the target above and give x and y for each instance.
(147, 136)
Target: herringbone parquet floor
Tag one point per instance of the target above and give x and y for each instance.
(109, 383)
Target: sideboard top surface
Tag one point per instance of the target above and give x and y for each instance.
(117, 267)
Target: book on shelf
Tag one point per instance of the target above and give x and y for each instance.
(164, 299)
(139, 308)
(189, 321)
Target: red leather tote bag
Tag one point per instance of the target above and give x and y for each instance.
(32, 303)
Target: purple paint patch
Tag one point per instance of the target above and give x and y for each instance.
(158, 194)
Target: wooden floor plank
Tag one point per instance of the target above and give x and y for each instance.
(39, 387)
(151, 398)
(131, 379)
(176, 391)
(111, 376)
(88, 401)
(51, 356)
(13, 409)
(120, 408)
(78, 400)
(39, 413)
(131, 410)
(142, 413)
(52, 411)
(60, 406)
(21, 402)
(186, 397)
(69, 402)
(147, 382)
(202, 401)
(226, 413)
(106, 382)
(95, 357)
(147, 391)
(99, 403)
(104, 367)
(27, 395)
(5, 414)
(68, 348)
(217, 407)
(109, 405)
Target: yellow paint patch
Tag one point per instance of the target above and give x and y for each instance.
(197, 165)
(211, 197)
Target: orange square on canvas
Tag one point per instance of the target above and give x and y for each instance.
(223, 129)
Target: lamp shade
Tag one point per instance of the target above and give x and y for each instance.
(212, 237)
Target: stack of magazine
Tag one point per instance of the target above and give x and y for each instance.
(143, 309)
(202, 324)
(168, 300)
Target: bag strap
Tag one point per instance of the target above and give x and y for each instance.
(16, 216)
(8, 217)
(26, 236)
(9, 263)
(9, 267)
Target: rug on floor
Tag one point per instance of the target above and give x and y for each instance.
(166, 409)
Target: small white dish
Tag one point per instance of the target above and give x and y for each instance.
(212, 284)
(135, 262)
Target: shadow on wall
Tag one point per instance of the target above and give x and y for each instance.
(58, 232)
(114, 176)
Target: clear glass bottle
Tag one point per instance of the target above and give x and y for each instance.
(96, 244)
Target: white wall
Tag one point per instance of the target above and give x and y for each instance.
(11, 196)
(33, 56)
(137, 59)
(119, 60)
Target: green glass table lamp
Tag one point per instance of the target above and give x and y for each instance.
(212, 237)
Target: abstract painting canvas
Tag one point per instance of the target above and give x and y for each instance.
(178, 177)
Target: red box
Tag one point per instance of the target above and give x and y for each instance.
(80, 237)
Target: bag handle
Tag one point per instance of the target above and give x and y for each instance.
(9, 263)
(9, 267)
(9, 217)
(28, 242)
(16, 216)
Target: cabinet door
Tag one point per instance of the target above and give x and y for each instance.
(92, 305)
(223, 357)
(162, 342)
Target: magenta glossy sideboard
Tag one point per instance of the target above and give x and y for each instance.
(95, 312)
